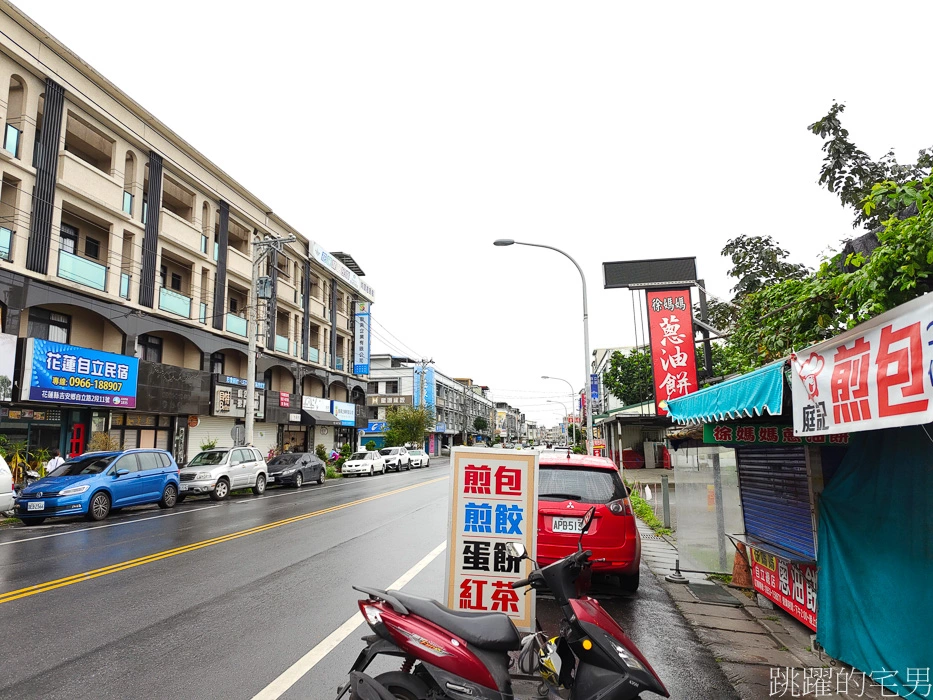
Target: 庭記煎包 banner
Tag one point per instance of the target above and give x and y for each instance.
(60, 373)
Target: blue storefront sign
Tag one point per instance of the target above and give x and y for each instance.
(68, 374)
(376, 426)
(346, 412)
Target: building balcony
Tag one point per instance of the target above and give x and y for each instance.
(76, 175)
(180, 232)
(6, 243)
(313, 354)
(175, 303)
(125, 281)
(338, 364)
(239, 264)
(82, 271)
(281, 344)
(236, 325)
(316, 307)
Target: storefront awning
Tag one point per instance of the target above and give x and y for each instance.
(756, 393)
(322, 418)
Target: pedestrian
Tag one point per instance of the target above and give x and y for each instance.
(54, 463)
(287, 447)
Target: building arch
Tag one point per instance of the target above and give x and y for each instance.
(84, 327)
(337, 391)
(313, 385)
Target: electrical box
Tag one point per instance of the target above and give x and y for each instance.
(264, 288)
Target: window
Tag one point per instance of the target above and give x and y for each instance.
(392, 387)
(148, 460)
(372, 387)
(92, 248)
(217, 363)
(149, 348)
(204, 244)
(163, 273)
(48, 325)
(69, 238)
(176, 281)
(240, 456)
(127, 462)
(233, 305)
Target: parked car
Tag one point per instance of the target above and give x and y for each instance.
(6, 487)
(295, 469)
(365, 462)
(97, 482)
(219, 471)
(419, 458)
(567, 486)
(396, 458)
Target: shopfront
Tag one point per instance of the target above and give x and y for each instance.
(322, 424)
(133, 430)
(345, 433)
(228, 408)
(284, 410)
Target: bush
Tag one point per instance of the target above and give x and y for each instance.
(371, 445)
(208, 443)
(332, 473)
(102, 442)
(321, 452)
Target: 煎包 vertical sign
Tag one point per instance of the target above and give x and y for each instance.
(361, 339)
(70, 374)
(670, 329)
(876, 375)
(493, 502)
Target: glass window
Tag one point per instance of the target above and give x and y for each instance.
(240, 456)
(391, 387)
(69, 235)
(149, 348)
(290, 458)
(85, 465)
(48, 325)
(583, 485)
(163, 273)
(233, 305)
(149, 460)
(209, 459)
(92, 248)
(217, 363)
(127, 462)
(166, 460)
(176, 281)
(204, 244)
(257, 455)
(360, 456)
(372, 387)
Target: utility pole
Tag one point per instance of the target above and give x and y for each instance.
(261, 249)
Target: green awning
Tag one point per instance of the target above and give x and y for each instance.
(754, 394)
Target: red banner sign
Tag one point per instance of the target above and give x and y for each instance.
(790, 585)
(673, 360)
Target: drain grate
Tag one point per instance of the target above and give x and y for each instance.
(712, 593)
(652, 536)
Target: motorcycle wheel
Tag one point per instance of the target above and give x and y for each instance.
(403, 686)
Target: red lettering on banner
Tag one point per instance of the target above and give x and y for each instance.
(900, 366)
(767, 435)
(788, 435)
(722, 433)
(471, 594)
(476, 479)
(849, 383)
(508, 482)
(504, 597)
(745, 433)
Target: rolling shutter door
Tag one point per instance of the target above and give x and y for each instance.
(265, 437)
(209, 428)
(776, 498)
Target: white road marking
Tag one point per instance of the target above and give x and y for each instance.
(297, 670)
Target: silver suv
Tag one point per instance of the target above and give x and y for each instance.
(219, 471)
(397, 458)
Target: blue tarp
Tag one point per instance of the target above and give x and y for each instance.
(876, 558)
(755, 393)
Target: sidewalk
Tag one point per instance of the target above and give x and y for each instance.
(764, 652)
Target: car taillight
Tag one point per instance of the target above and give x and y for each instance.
(621, 507)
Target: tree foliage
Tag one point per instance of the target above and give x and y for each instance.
(480, 424)
(408, 424)
(628, 377)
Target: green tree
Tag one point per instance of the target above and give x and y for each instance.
(628, 377)
(480, 424)
(758, 262)
(408, 424)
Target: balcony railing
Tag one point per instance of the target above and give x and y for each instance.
(313, 354)
(237, 325)
(82, 271)
(339, 363)
(175, 303)
(281, 344)
(202, 312)
(11, 139)
(127, 203)
(125, 280)
(6, 243)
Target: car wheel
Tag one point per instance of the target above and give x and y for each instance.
(323, 477)
(169, 497)
(629, 584)
(260, 487)
(221, 490)
(29, 522)
(99, 507)
(299, 480)
(371, 472)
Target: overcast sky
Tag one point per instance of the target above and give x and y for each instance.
(413, 134)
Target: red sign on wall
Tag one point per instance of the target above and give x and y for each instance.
(284, 400)
(670, 329)
(791, 585)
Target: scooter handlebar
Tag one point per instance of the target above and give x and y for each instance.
(522, 583)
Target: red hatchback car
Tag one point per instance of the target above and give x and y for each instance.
(567, 486)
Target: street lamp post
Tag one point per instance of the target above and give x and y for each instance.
(566, 415)
(586, 331)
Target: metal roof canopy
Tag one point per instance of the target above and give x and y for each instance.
(348, 260)
(657, 272)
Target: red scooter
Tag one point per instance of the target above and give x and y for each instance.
(465, 656)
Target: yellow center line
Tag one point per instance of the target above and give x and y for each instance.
(132, 563)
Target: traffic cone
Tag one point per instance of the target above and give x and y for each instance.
(741, 573)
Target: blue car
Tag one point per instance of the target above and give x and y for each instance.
(97, 482)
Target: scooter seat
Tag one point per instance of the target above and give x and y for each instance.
(493, 631)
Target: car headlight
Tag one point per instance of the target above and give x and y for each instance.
(200, 476)
(289, 471)
(74, 490)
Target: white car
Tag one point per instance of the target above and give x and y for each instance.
(6, 487)
(419, 458)
(219, 471)
(396, 458)
(366, 462)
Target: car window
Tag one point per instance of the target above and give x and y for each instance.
(257, 455)
(166, 460)
(359, 456)
(86, 465)
(390, 451)
(208, 459)
(284, 459)
(240, 456)
(582, 485)
(127, 462)
(148, 460)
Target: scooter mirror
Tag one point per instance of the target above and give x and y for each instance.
(588, 519)
(516, 550)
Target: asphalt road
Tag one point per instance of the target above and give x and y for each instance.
(219, 600)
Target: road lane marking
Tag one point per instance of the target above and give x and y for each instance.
(133, 521)
(158, 556)
(297, 670)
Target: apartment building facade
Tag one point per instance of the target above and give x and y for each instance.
(126, 257)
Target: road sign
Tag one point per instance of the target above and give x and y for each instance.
(594, 387)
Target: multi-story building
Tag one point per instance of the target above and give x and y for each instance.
(126, 268)
(456, 403)
(509, 423)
